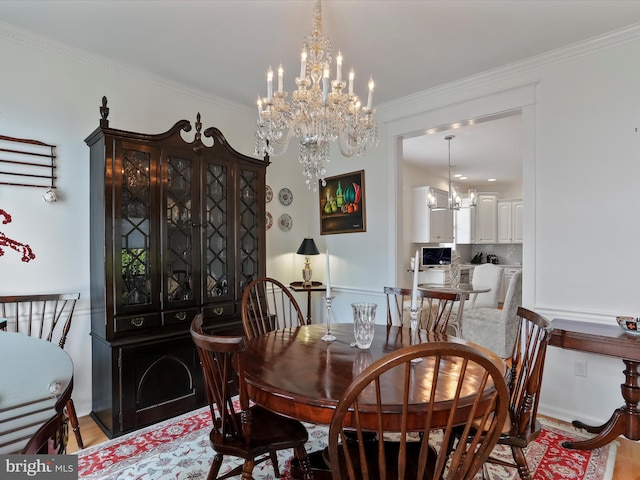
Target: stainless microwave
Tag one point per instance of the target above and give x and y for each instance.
(436, 256)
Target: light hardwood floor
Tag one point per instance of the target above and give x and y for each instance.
(627, 458)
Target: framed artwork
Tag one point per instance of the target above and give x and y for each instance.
(342, 205)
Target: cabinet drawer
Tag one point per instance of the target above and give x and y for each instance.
(219, 310)
(136, 322)
(174, 317)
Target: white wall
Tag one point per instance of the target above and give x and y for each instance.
(55, 98)
(580, 172)
(580, 180)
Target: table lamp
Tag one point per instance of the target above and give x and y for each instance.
(307, 247)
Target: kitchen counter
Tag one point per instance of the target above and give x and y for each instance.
(505, 265)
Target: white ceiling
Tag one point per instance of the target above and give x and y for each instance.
(491, 148)
(224, 47)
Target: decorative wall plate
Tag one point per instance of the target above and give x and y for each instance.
(285, 196)
(268, 193)
(269, 221)
(285, 222)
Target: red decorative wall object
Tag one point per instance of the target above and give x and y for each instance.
(23, 248)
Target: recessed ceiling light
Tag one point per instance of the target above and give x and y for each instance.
(457, 175)
(491, 180)
(463, 178)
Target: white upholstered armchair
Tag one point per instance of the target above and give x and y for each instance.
(486, 275)
(493, 328)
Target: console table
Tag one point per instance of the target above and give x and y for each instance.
(608, 340)
(314, 287)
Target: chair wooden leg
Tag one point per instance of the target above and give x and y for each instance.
(215, 466)
(73, 419)
(274, 461)
(247, 469)
(521, 462)
(305, 464)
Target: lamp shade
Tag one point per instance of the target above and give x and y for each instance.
(308, 247)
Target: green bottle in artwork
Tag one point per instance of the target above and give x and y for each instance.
(339, 196)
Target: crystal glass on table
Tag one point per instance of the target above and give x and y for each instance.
(364, 321)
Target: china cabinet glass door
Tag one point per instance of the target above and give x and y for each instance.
(180, 249)
(249, 230)
(217, 235)
(134, 259)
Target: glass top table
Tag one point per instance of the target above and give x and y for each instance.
(466, 288)
(34, 373)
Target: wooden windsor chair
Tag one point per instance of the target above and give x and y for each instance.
(367, 407)
(249, 432)
(527, 366)
(268, 305)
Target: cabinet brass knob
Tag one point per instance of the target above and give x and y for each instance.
(181, 315)
(218, 310)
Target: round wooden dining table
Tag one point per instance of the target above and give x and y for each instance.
(295, 373)
(36, 382)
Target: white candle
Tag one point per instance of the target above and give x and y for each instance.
(339, 67)
(352, 75)
(414, 292)
(328, 275)
(259, 108)
(370, 100)
(269, 83)
(325, 85)
(280, 79)
(303, 64)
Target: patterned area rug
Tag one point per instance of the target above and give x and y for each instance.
(178, 449)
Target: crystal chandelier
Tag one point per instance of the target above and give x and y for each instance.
(316, 113)
(454, 200)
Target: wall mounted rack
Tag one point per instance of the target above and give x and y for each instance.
(27, 163)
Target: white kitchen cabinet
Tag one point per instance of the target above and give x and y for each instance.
(465, 224)
(517, 208)
(504, 221)
(430, 226)
(510, 221)
(486, 221)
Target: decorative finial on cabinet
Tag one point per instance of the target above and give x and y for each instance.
(198, 126)
(104, 113)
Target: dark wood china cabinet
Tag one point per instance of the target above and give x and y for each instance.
(177, 228)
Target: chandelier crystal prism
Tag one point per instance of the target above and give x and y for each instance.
(454, 199)
(316, 114)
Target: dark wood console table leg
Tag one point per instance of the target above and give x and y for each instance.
(309, 307)
(624, 421)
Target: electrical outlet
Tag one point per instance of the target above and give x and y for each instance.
(580, 368)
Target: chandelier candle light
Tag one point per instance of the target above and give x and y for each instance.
(454, 200)
(316, 114)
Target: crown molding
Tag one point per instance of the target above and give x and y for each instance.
(430, 99)
(510, 75)
(30, 39)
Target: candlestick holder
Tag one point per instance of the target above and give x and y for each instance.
(328, 336)
(414, 316)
